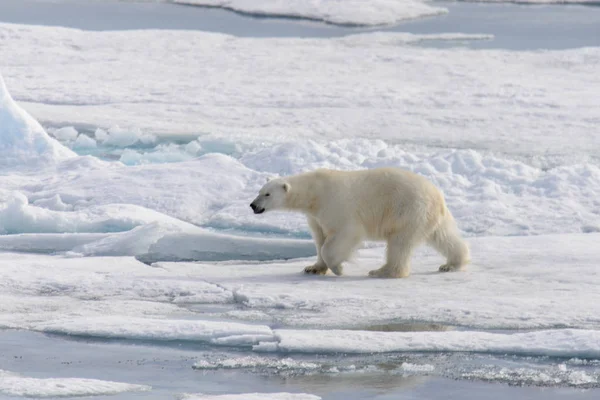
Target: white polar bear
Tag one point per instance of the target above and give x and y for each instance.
(344, 208)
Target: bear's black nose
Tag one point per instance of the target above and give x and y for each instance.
(253, 207)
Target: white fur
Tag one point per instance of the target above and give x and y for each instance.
(344, 208)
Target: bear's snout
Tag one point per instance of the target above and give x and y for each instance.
(256, 209)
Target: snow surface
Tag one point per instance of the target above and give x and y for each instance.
(252, 396)
(499, 144)
(138, 328)
(16, 385)
(119, 297)
(443, 96)
(553, 343)
(23, 141)
(346, 12)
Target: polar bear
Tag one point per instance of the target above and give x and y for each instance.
(344, 208)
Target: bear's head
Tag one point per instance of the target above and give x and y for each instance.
(271, 196)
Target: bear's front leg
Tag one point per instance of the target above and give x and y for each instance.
(319, 268)
(338, 248)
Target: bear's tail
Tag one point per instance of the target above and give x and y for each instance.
(447, 240)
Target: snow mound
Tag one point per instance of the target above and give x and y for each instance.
(15, 385)
(252, 396)
(18, 216)
(348, 12)
(23, 141)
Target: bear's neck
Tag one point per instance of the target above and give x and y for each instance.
(303, 194)
(303, 202)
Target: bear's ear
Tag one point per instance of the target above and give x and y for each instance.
(286, 187)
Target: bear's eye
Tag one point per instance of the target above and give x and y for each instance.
(267, 195)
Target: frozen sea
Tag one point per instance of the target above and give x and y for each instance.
(134, 134)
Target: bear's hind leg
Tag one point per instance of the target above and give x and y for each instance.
(447, 241)
(319, 268)
(399, 251)
(338, 248)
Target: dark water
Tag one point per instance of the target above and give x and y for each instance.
(514, 26)
(167, 367)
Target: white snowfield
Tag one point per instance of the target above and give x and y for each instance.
(553, 343)
(12, 384)
(489, 193)
(122, 298)
(346, 12)
(366, 85)
(511, 170)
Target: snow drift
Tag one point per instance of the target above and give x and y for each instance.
(23, 141)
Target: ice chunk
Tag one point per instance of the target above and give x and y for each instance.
(84, 142)
(18, 216)
(552, 343)
(66, 133)
(155, 329)
(12, 384)
(349, 12)
(23, 141)
(119, 137)
(209, 246)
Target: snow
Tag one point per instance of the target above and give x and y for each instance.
(119, 297)
(553, 343)
(460, 105)
(497, 144)
(156, 329)
(149, 237)
(16, 385)
(489, 194)
(542, 282)
(18, 216)
(252, 396)
(22, 139)
(348, 12)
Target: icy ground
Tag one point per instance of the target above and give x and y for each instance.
(125, 225)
